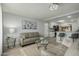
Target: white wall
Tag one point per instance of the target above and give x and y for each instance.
(75, 24)
(11, 20)
(46, 29)
(0, 30)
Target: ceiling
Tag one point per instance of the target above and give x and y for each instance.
(39, 11)
(72, 18)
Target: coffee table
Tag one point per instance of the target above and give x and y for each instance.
(43, 42)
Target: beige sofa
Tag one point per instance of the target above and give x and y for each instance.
(28, 38)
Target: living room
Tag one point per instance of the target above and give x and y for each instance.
(40, 29)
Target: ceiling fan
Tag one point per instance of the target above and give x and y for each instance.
(53, 6)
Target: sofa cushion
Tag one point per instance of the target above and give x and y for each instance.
(27, 41)
(36, 34)
(31, 34)
(35, 38)
(26, 35)
(32, 39)
(23, 35)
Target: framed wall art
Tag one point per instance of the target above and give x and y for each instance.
(29, 25)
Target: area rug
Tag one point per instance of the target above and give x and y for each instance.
(55, 48)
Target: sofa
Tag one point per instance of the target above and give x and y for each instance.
(28, 38)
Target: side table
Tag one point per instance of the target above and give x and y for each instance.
(11, 42)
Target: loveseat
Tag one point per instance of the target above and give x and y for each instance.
(28, 38)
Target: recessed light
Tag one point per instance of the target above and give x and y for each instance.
(61, 21)
(69, 16)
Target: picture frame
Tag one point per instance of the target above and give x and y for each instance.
(29, 25)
